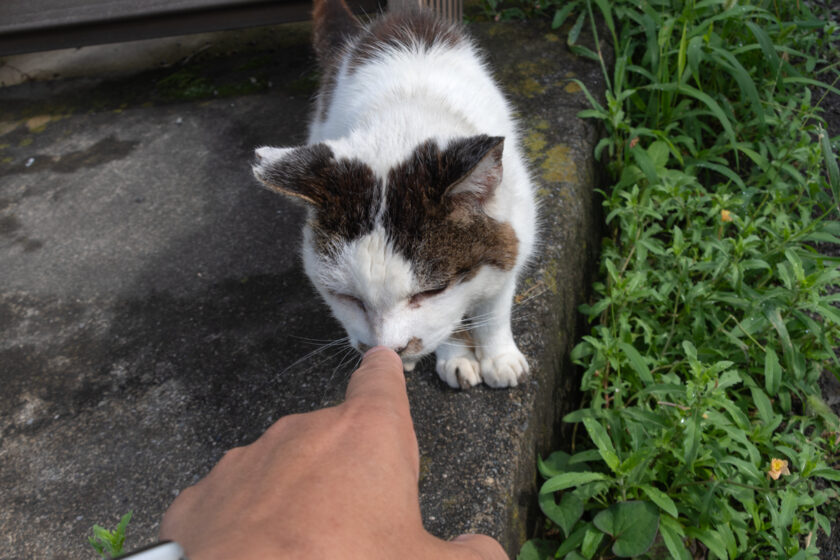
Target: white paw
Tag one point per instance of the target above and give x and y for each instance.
(460, 371)
(504, 370)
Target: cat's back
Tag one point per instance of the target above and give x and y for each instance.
(410, 68)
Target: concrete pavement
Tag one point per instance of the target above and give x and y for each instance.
(154, 312)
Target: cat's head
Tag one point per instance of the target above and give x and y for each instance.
(399, 256)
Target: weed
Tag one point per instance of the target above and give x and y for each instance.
(715, 316)
(109, 544)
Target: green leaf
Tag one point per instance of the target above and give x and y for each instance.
(637, 362)
(591, 539)
(604, 7)
(602, 441)
(787, 509)
(582, 457)
(791, 353)
(672, 536)
(659, 153)
(645, 163)
(633, 525)
(573, 541)
(561, 15)
(704, 98)
(830, 165)
(569, 480)
(711, 539)
(772, 371)
(767, 48)
(690, 350)
(681, 56)
(554, 464)
(661, 499)
(575, 31)
(762, 403)
(537, 549)
(828, 474)
(566, 513)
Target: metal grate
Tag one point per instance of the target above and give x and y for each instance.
(452, 10)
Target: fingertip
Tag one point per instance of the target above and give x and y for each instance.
(383, 351)
(381, 370)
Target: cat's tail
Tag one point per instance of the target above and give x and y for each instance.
(335, 24)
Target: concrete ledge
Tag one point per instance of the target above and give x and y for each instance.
(155, 314)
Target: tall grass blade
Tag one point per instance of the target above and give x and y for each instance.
(830, 165)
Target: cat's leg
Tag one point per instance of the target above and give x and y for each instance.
(502, 364)
(456, 362)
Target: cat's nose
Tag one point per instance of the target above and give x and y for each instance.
(413, 346)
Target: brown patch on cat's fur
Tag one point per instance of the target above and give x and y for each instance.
(446, 238)
(344, 194)
(404, 29)
(334, 25)
(414, 346)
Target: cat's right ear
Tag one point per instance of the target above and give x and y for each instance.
(296, 172)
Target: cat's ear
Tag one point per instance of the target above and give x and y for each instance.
(481, 158)
(296, 172)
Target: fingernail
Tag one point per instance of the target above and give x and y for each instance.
(461, 538)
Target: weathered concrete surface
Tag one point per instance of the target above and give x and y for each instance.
(154, 313)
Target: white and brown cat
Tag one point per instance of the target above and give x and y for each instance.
(421, 212)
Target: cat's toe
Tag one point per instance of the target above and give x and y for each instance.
(504, 370)
(460, 372)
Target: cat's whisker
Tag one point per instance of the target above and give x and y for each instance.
(485, 319)
(319, 340)
(347, 355)
(320, 349)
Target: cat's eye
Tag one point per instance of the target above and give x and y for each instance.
(350, 300)
(418, 298)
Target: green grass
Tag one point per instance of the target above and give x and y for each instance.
(715, 315)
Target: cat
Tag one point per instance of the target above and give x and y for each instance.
(421, 210)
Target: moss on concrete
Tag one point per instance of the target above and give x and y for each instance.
(559, 165)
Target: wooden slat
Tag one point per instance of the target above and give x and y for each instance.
(36, 25)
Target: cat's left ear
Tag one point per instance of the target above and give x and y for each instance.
(297, 172)
(481, 157)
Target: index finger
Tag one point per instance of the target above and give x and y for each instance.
(379, 380)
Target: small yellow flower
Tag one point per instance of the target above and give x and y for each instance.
(725, 216)
(778, 467)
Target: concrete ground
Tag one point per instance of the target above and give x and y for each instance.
(154, 312)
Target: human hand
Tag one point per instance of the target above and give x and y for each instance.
(337, 483)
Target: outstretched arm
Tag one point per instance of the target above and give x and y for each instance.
(335, 483)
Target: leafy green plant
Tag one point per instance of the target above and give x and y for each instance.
(715, 316)
(109, 544)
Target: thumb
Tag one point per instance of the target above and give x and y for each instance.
(486, 547)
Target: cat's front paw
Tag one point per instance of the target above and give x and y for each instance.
(460, 371)
(505, 369)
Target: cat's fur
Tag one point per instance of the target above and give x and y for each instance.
(421, 210)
